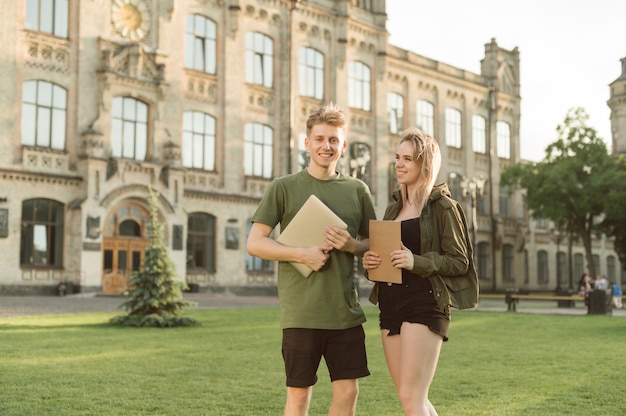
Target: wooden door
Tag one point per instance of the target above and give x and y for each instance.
(122, 256)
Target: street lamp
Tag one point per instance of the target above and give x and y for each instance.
(474, 188)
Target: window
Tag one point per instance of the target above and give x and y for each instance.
(198, 140)
(482, 263)
(129, 130)
(611, 268)
(359, 86)
(259, 59)
(42, 233)
(256, 264)
(258, 150)
(311, 76)
(560, 269)
(360, 159)
(596, 264)
(479, 134)
(201, 242)
(526, 267)
(455, 186)
(542, 266)
(48, 16)
(503, 131)
(482, 201)
(200, 40)
(453, 128)
(507, 263)
(426, 117)
(505, 202)
(395, 108)
(44, 109)
(579, 265)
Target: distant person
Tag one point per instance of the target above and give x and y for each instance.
(320, 315)
(616, 294)
(601, 283)
(584, 285)
(438, 272)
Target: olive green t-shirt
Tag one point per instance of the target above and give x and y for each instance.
(327, 299)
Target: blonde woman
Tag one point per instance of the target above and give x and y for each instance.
(438, 272)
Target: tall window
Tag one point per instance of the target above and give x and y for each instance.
(360, 160)
(198, 140)
(359, 86)
(129, 130)
(479, 134)
(503, 131)
(453, 127)
(259, 59)
(426, 117)
(48, 16)
(542, 266)
(455, 186)
(395, 108)
(200, 40)
(44, 109)
(482, 262)
(560, 269)
(579, 265)
(42, 233)
(201, 242)
(507, 263)
(258, 150)
(311, 75)
(256, 264)
(611, 268)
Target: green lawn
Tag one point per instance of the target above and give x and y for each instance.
(495, 363)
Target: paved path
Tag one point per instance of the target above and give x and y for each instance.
(11, 306)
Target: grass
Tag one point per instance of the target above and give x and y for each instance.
(494, 364)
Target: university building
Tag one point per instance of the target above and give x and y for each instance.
(205, 102)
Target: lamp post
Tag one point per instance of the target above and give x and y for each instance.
(474, 188)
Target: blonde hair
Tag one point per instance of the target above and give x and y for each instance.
(329, 114)
(427, 155)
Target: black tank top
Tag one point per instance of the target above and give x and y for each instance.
(410, 231)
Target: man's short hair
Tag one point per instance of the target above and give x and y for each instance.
(329, 114)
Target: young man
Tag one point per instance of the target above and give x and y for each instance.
(320, 315)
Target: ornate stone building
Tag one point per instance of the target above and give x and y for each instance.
(205, 101)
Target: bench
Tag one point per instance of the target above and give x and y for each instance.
(512, 299)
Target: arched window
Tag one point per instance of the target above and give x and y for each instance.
(129, 129)
(453, 127)
(256, 264)
(503, 131)
(507, 263)
(201, 242)
(311, 73)
(360, 162)
(44, 109)
(359, 85)
(42, 233)
(426, 117)
(259, 59)
(200, 41)
(395, 109)
(258, 150)
(542, 267)
(483, 261)
(198, 140)
(479, 134)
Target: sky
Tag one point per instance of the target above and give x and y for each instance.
(570, 52)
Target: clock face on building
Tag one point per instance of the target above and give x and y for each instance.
(131, 18)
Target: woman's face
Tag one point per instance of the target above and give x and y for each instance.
(407, 170)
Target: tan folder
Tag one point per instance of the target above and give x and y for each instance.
(385, 237)
(306, 229)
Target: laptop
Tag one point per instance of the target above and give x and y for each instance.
(306, 229)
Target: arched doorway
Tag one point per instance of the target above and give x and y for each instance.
(124, 243)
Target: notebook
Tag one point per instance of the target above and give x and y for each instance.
(385, 237)
(306, 229)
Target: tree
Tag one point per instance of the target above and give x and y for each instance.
(155, 297)
(614, 223)
(569, 186)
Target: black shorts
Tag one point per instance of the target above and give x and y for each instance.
(411, 303)
(343, 350)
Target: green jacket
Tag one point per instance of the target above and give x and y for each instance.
(447, 259)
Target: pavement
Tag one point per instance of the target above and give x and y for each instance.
(13, 306)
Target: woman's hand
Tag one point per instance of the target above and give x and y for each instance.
(402, 259)
(371, 260)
